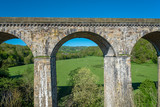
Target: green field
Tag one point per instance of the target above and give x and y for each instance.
(140, 72)
(19, 70)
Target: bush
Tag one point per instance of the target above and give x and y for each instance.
(17, 92)
(4, 72)
(85, 92)
(146, 95)
(143, 51)
(10, 95)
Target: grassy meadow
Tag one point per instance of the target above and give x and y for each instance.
(139, 72)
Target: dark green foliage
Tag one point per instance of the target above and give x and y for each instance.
(4, 72)
(17, 92)
(146, 95)
(14, 55)
(27, 88)
(143, 51)
(10, 93)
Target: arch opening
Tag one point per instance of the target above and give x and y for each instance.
(154, 39)
(144, 69)
(105, 47)
(16, 73)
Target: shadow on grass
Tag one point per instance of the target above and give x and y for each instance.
(16, 76)
(63, 91)
(136, 85)
(66, 90)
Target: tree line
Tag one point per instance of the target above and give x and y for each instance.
(142, 52)
(16, 55)
(80, 53)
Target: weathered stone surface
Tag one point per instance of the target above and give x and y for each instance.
(117, 82)
(42, 83)
(116, 38)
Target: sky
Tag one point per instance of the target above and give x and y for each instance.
(72, 42)
(81, 9)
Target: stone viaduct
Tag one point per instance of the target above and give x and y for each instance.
(115, 36)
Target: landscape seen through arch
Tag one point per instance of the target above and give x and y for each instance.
(75, 59)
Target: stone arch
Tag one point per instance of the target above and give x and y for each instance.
(4, 36)
(152, 37)
(104, 45)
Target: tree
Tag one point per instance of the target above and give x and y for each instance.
(28, 59)
(10, 95)
(4, 72)
(85, 92)
(27, 87)
(143, 51)
(146, 95)
(17, 92)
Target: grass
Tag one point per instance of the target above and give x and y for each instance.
(139, 73)
(19, 70)
(95, 64)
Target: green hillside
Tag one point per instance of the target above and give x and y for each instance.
(139, 71)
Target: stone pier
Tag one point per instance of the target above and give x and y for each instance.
(42, 82)
(117, 81)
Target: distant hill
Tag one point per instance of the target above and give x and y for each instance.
(69, 49)
(67, 52)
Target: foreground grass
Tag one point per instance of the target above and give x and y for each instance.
(95, 64)
(139, 72)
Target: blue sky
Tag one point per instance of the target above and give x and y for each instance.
(80, 8)
(72, 42)
(80, 42)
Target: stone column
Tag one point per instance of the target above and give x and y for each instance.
(117, 82)
(158, 105)
(42, 83)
